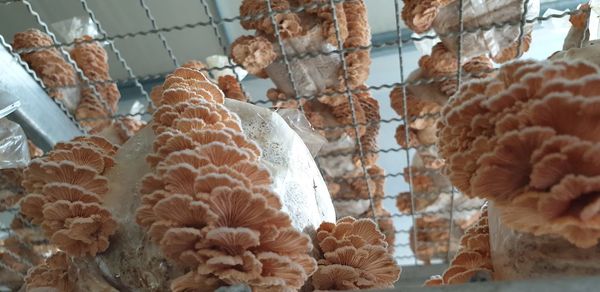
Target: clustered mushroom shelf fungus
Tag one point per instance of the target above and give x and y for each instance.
(94, 102)
(186, 204)
(527, 141)
(49, 64)
(25, 246)
(501, 43)
(65, 190)
(355, 257)
(473, 261)
(420, 103)
(306, 30)
(204, 164)
(228, 83)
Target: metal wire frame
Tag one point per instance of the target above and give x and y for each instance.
(399, 42)
(161, 36)
(222, 44)
(116, 51)
(66, 55)
(39, 82)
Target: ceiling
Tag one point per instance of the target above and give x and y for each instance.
(146, 54)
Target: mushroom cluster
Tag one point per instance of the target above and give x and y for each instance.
(256, 53)
(49, 64)
(473, 260)
(92, 59)
(96, 111)
(208, 204)
(431, 189)
(342, 110)
(65, 190)
(355, 257)
(424, 100)
(229, 85)
(500, 43)
(56, 272)
(24, 247)
(527, 140)
(96, 103)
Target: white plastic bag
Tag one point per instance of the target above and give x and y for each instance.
(478, 16)
(298, 122)
(76, 27)
(518, 256)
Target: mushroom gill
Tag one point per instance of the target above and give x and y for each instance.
(473, 257)
(357, 252)
(65, 195)
(527, 141)
(208, 202)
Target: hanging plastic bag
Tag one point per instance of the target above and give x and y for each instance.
(70, 29)
(14, 152)
(520, 256)
(298, 122)
(488, 26)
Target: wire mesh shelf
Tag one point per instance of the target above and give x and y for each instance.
(429, 243)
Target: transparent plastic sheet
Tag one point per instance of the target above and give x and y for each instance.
(311, 75)
(298, 122)
(483, 13)
(68, 30)
(335, 165)
(518, 256)
(14, 152)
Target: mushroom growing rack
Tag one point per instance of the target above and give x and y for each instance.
(373, 141)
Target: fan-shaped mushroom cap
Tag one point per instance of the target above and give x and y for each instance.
(42, 172)
(253, 53)
(80, 156)
(513, 51)
(419, 15)
(54, 273)
(523, 134)
(377, 267)
(440, 62)
(336, 277)
(68, 187)
(78, 228)
(231, 88)
(349, 231)
(357, 251)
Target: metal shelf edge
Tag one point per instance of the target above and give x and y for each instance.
(41, 119)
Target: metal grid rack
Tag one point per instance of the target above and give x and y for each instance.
(399, 41)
